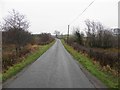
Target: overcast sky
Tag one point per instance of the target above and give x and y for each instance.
(51, 15)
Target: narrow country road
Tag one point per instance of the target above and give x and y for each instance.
(54, 69)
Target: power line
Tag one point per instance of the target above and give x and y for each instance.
(82, 12)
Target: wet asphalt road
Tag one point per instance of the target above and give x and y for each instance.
(54, 69)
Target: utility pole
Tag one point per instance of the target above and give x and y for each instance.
(68, 33)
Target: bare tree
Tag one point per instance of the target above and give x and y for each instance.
(15, 28)
(15, 20)
(57, 33)
(88, 32)
(98, 36)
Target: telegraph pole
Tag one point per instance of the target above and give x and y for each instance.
(68, 33)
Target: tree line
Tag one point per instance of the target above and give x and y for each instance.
(16, 37)
(97, 36)
(98, 42)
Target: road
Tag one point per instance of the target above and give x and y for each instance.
(54, 69)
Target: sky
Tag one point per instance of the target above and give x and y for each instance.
(50, 15)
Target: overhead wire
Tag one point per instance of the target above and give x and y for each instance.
(82, 12)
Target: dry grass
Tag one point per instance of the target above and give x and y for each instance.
(9, 57)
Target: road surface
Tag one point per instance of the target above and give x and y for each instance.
(54, 69)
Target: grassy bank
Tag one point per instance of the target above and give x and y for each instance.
(106, 78)
(28, 60)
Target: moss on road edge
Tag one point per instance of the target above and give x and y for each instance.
(28, 60)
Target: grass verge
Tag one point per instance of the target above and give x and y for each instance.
(109, 80)
(28, 60)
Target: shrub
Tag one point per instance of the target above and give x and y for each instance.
(104, 57)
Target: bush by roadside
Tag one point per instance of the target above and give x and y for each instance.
(13, 70)
(103, 56)
(93, 67)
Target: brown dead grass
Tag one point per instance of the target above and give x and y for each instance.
(9, 53)
(106, 68)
